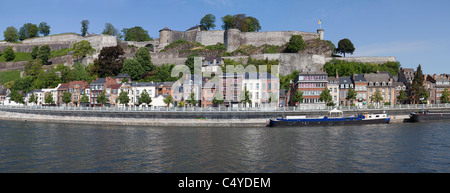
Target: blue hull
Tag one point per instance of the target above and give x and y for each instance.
(326, 122)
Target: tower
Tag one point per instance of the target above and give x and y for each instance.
(320, 32)
(164, 36)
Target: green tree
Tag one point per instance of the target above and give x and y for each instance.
(376, 97)
(82, 48)
(143, 57)
(84, 98)
(110, 30)
(17, 97)
(245, 97)
(66, 73)
(49, 98)
(34, 52)
(168, 100)
(136, 34)
(102, 99)
(208, 21)
(444, 97)
(402, 96)
(33, 99)
(84, 27)
(81, 73)
(9, 53)
(253, 24)
(326, 97)
(47, 79)
(295, 44)
(351, 95)
(132, 68)
(418, 91)
(298, 97)
(241, 22)
(217, 102)
(190, 62)
(44, 54)
(228, 22)
(28, 30)
(24, 84)
(67, 98)
(9, 85)
(145, 98)
(192, 99)
(11, 34)
(123, 98)
(44, 28)
(345, 46)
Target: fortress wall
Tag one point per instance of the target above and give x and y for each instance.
(29, 47)
(373, 60)
(234, 38)
(210, 37)
(100, 41)
(273, 37)
(54, 38)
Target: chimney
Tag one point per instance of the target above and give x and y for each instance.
(434, 76)
(337, 74)
(378, 72)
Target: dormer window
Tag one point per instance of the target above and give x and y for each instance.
(377, 84)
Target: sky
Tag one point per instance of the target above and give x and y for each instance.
(415, 32)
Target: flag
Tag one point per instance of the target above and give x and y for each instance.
(320, 22)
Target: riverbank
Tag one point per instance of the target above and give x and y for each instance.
(164, 122)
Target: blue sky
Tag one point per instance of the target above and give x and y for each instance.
(415, 32)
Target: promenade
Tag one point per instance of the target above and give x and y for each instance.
(193, 116)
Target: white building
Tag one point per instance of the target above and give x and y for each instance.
(136, 89)
(261, 87)
(333, 86)
(40, 97)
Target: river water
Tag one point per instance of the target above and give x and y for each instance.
(29, 147)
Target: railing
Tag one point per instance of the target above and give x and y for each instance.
(227, 109)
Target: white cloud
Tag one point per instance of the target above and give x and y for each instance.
(218, 2)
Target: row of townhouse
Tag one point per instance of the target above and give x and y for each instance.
(313, 83)
(263, 90)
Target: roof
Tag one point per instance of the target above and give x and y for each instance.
(143, 84)
(377, 77)
(63, 86)
(193, 27)
(260, 75)
(358, 78)
(309, 71)
(165, 29)
(345, 80)
(3, 91)
(123, 75)
(115, 86)
(99, 81)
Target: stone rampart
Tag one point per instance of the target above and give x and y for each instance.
(235, 38)
(210, 37)
(373, 60)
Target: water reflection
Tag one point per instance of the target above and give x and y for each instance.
(44, 147)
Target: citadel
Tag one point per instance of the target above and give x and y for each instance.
(231, 38)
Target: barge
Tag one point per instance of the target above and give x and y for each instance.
(331, 120)
(429, 116)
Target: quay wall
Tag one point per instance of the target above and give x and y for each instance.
(179, 118)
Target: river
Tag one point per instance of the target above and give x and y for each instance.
(31, 147)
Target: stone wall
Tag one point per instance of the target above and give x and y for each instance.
(374, 60)
(235, 38)
(29, 47)
(210, 37)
